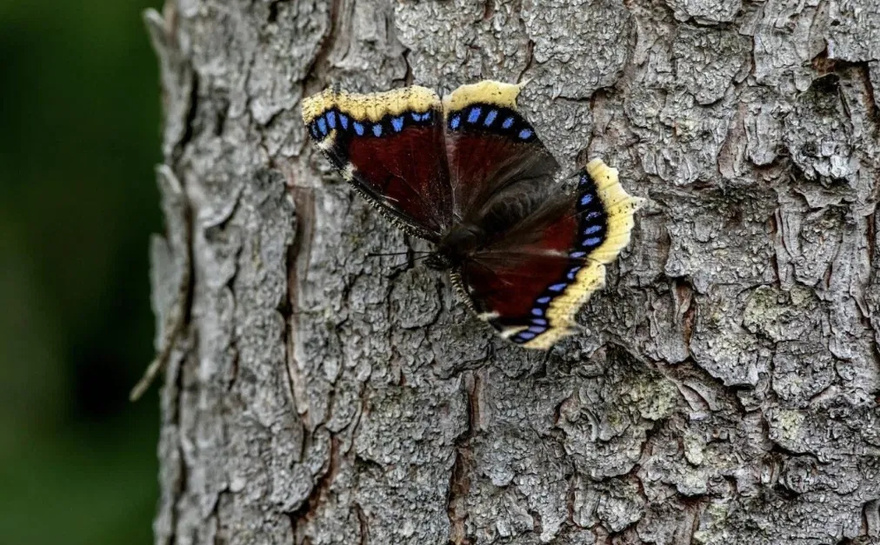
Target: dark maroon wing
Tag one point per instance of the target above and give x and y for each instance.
(390, 146)
(492, 151)
(530, 284)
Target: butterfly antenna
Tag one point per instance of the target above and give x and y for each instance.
(411, 262)
(397, 269)
(385, 254)
(407, 252)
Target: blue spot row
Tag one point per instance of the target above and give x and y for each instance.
(539, 324)
(592, 215)
(334, 119)
(492, 118)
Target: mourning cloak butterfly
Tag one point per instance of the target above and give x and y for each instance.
(469, 174)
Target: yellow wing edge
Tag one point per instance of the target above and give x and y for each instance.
(374, 106)
(370, 107)
(485, 92)
(620, 208)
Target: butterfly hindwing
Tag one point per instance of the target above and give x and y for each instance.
(491, 148)
(531, 283)
(390, 146)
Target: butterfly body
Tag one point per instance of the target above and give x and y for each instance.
(456, 246)
(470, 175)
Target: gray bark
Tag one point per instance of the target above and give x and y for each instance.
(724, 389)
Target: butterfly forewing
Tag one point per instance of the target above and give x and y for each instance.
(491, 149)
(390, 146)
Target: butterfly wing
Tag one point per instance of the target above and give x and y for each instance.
(492, 151)
(530, 284)
(390, 146)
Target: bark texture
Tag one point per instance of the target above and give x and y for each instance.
(725, 387)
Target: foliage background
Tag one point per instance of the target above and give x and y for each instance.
(79, 111)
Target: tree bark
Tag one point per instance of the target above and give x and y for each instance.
(724, 389)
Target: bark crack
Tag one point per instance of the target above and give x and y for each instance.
(460, 478)
(320, 66)
(530, 60)
(363, 526)
(298, 258)
(321, 488)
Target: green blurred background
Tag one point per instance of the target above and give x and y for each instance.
(79, 111)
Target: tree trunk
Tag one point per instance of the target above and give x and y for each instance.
(724, 389)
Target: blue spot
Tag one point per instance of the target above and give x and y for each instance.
(539, 321)
(416, 116)
(592, 229)
(377, 129)
(525, 134)
(558, 287)
(577, 254)
(527, 335)
(537, 312)
(313, 128)
(537, 329)
(592, 215)
(584, 179)
(543, 300)
(592, 241)
(358, 128)
(475, 114)
(490, 117)
(573, 272)
(508, 123)
(331, 119)
(455, 122)
(322, 125)
(586, 199)
(397, 123)
(426, 116)
(343, 120)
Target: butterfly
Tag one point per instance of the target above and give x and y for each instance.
(469, 174)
